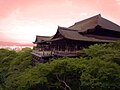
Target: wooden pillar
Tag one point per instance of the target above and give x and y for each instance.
(75, 48)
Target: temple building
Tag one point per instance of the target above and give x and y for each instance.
(68, 42)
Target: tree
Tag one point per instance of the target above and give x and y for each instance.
(12, 63)
(104, 51)
(96, 71)
(101, 75)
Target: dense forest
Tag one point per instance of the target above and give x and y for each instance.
(97, 69)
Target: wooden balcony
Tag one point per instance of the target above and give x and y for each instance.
(42, 53)
(41, 56)
(56, 53)
(44, 56)
(67, 53)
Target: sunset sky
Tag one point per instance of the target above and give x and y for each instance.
(22, 20)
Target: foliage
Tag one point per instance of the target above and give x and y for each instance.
(101, 75)
(13, 63)
(104, 51)
(68, 74)
(96, 71)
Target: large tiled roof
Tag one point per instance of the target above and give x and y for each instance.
(93, 22)
(76, 31)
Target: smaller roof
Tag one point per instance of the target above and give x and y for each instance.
(41, 39)
(75, 35)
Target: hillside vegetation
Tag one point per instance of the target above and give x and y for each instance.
(97, 69)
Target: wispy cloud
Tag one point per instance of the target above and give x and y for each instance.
(118, 2)
(84, 14)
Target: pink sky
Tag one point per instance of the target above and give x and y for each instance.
(22, 20)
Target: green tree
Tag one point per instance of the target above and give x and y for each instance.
(101, 75)
(104, 51)
(12, 63)
(69, 74)
(96, 71)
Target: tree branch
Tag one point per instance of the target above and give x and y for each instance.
(63, 82)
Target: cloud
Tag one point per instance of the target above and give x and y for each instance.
(118, 2)
(41, 17)
(84, 14)
(8, 6)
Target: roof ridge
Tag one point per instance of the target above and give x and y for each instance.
(98, 16)
(64, 28)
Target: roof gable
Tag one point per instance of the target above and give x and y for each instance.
(86, 24)
(106, 24)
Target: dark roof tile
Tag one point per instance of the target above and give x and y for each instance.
(75, 35)
(92, 22)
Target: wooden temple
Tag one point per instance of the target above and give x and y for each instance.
(68, 42)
